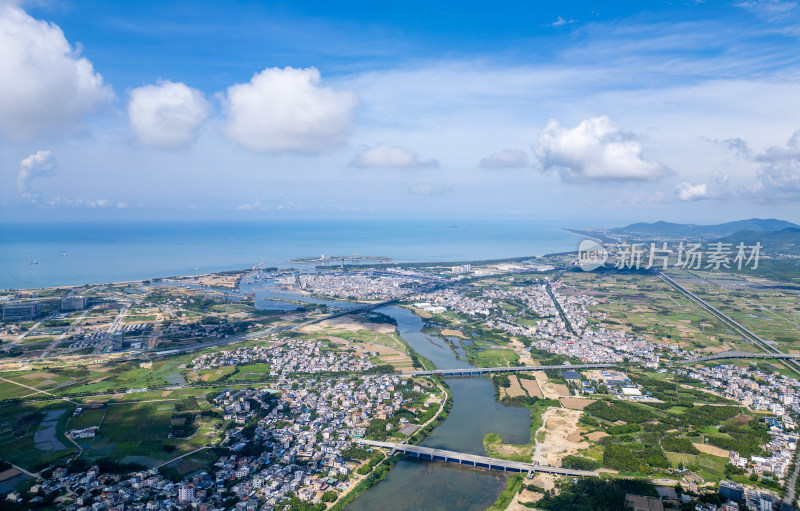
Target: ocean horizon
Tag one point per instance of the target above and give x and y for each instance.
(36, 255)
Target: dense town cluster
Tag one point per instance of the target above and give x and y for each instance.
(759, 390)
(288, 442)
(359, 286)
(286, 356)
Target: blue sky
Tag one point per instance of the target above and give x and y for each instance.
(574, 111)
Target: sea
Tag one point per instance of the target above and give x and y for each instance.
(36, 255)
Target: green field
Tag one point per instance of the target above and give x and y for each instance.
(498, 357)
(644, 305)
(19, 425)
(710, 468)
(89, 417)
(771, 312)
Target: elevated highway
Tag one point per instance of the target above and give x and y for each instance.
(474, 371)
(474, 460)
(742, 354)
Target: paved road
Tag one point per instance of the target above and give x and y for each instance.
(61, 337)
(38, 390)
(560, 310)
(756, 340)
(483, 370)
(183, 456)
(741, 354)
(21, 336)
(101, 346)
(791, 487)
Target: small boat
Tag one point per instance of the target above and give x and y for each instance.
(34, 262)
(63, 253)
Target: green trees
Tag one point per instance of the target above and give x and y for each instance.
(629, 459)
(673, 444)
(580, 463)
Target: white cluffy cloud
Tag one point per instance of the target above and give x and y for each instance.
(391, 157)
(779, 177)
(39, 164)
(288, 110)
(595, 150)
(45, 85)
(689, 192)
(167, 114)
(506, 159)
(718, 187)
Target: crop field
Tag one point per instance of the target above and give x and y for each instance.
(137, 422)
(32, 435)
(644, 305)
(89, 417)
(135, 429)
(493, 358)
(768, 310)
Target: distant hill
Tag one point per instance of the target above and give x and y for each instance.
(785, 241)
(673, 230)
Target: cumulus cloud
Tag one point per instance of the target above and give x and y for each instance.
(718, 187)
(391, 157)
(429, 189)
(167, 114)
(779, 176)
(738, 146)
(39, 164)
(288, 110)
(689, 192)
(560, 22)
(506, 159)
(46, 86)
(595, 150)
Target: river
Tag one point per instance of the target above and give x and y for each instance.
(426, 485)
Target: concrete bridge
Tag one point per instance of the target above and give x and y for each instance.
(473, 371)
(741, 354)
(473, 460)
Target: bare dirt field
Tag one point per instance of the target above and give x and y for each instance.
(349, 324)
(548, 392)
(213, 280)
(714, 451)
(595, 436)
(8, 474)
(515, 389)
(524, 355)
(576, 403)
(523, 496)
(449, 332)
(561, 389)
(532, 387)
(562, 436)
(543, 481)
(385, 353)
